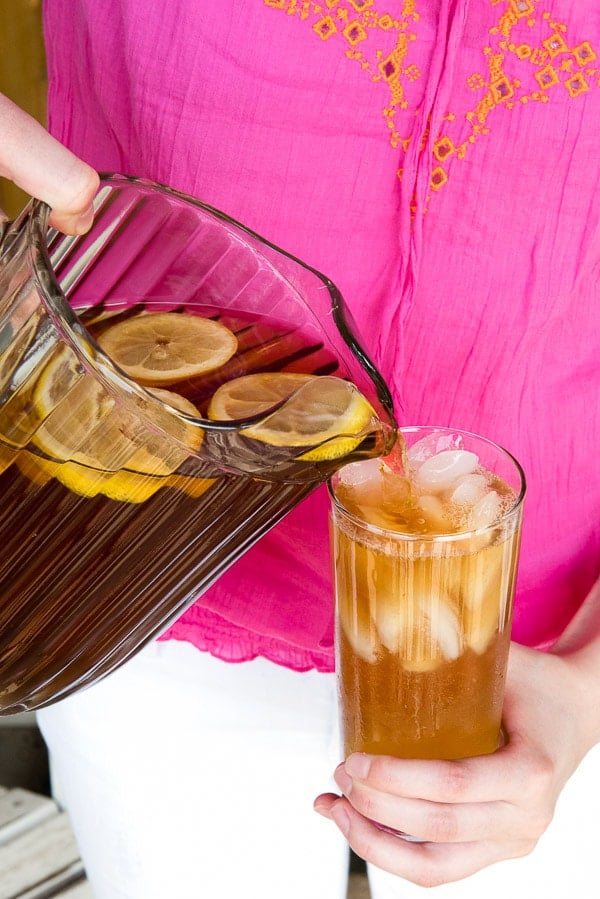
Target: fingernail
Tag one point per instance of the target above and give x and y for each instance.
(320, 807)
(357, 765)
(342, 780)
(83, 222)
(340, 817)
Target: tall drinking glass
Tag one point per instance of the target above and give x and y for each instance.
(425, 563)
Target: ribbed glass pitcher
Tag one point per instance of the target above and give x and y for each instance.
(128, 489)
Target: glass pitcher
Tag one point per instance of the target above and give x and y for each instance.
(121, 502)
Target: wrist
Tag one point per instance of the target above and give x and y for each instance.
(583, 673)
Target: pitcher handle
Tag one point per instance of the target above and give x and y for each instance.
(5, 226)
(8, 232)
(10, 229)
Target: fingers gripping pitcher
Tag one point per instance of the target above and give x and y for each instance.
(171, 385)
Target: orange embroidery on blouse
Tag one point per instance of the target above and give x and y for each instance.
(528, 56)
(378, 42)
(518, 71)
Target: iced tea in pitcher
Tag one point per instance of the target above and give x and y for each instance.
(188, 395)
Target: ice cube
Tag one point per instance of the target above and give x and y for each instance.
(436, 637)
(480, 575)
(481, 591)
(480, 626)
(359, 473)
(354, 615)
(439, 472)
(469, 490)
(390, 622)
(354, 595)
(485, 511)
(432, 445)
(433, 509)
(360, 489)
(362, 639)
(444, 628)
(396, 491)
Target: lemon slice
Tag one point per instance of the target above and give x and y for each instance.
(94, 444)
(125, 486)
(325, 412)
(7, 457)
(165, 347)
(251, 394)
(194, 487)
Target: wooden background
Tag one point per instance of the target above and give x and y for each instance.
(22, 73)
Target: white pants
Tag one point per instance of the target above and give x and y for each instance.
(186, 777)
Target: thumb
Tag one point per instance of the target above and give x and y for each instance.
(45, 169)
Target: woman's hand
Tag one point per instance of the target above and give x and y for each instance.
(40, 165)
(473, 812)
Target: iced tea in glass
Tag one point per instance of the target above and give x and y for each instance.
(425, 558)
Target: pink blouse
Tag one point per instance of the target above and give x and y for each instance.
(440, 161)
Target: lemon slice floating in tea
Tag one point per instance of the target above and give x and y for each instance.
(323, 410)
(95, 444)
(160, 348)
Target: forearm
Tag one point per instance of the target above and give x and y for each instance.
(579, 646)
(581, 637)
(45, 169)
